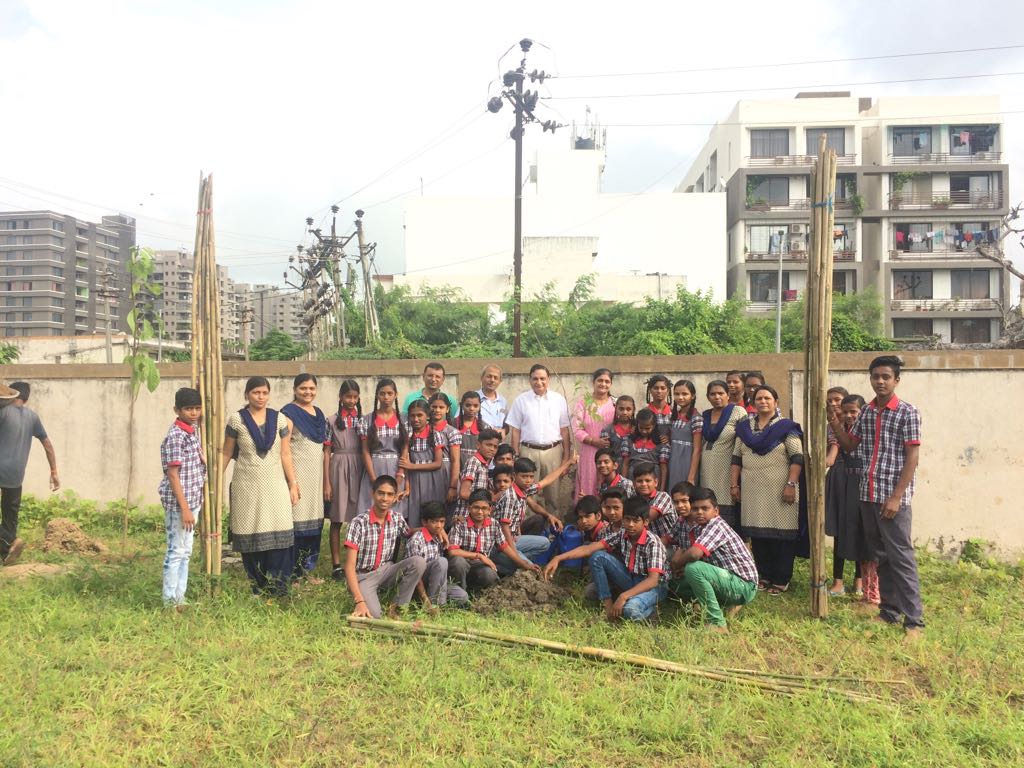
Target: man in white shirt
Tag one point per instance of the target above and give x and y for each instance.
(539, 424)
(493, 407)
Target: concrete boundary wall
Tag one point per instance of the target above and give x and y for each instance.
(972, 458)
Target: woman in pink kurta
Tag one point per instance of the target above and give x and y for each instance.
(589, 416)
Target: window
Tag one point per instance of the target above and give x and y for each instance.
(842, 238)
(26, 301)
(713, 172)
(969, 283)
(762, 285)
(699, 185)
(10, 225)
(769, 143)
(844, 281)
(26, 317)
(909, 328)
(969, 139)
(58, 226)
(835, 138)
(959, 233)
(760, 238)
(773, 190)
(57, 317)
(908, 142)
(27, 240)
(913, 238)
(58, 272)
(970, 189)
(911, 284)
(846, 186)
(978, 331)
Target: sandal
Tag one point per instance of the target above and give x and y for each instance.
(775, 589)
(762, 586)
(837, 592)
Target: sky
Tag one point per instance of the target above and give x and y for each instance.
(115, 106)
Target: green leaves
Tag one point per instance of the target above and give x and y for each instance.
(144, 371)
(8, 354)
(276, 345)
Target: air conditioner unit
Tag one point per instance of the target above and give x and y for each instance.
(798, 245)
(797, 229)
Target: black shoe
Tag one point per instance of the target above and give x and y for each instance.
(338, 573)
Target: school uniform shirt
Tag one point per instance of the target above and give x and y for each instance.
(624, 484)
(471, 536)
(642, 557)
(422, 544)
(374, 539)
(599, 532)
(644, 449)
(684, 533)
(446, 436)
(882, 435)
(386, 428)
(615, 435)
(696, 423)
(663, 514)
(510, 508)
(475, 470)
(663, 415)
(493, 412)
(181, 448)
(722, 547)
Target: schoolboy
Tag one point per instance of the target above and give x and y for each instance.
(630, 564)
(613, 501)
(475, 472)
(510, 511)
(372, 542)
(473, 542)
(431, 543)
(685, 529)
(608, 476)
(663, 514)
(181, 491)
(525, 474)
(594, 528)
(886, 438)
(505, 456)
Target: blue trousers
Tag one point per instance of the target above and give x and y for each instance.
(610, 576)
(529, 547)
(179, 550)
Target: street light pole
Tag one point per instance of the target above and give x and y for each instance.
(517, 254)
(778, 295)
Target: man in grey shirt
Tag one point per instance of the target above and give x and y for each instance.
(18, 425)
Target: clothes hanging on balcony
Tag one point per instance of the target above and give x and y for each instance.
(774, 243)
(940, 236)
(899, 237)
(993, 235)
(968, 236)
(965, 137)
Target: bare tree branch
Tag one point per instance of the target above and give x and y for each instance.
(994, 251)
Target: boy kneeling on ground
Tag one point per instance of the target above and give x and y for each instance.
(372, 541)
(630, 564)
(431, 543)
(716, 569)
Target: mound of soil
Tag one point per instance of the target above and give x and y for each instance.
(24, 570)
(64, 536)
(522, 592)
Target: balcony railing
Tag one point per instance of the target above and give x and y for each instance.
(943, 200)
(786, 161)
(943, 305)
(935, 253)
(945, 157)
(843, 255)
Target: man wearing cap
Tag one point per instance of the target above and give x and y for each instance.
(18, 425)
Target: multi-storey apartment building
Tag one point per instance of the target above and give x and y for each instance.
(51, 268)
(277, 308)
(920, 180)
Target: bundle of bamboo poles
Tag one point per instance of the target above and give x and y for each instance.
(208, 373)
(818, 342)
(788, 685)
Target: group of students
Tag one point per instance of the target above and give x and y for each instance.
(441, 506)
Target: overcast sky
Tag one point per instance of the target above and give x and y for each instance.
(114, 106)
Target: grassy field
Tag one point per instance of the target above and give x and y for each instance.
(96, 673)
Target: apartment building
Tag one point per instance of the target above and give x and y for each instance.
(920, 181)
(277, 308)
(52, 267)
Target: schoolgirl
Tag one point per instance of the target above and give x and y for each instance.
(645, 445)
(621, 427)
(341, 489)
(685, 434)
(422, 460)
(468, 421)
(450, 440)
(658, 389)
(384, 437)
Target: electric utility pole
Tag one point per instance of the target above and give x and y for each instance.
(107, 293)
(369, 303)
(246, 315)
(331, 252)
(524, 103)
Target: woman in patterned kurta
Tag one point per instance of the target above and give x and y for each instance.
(310, 444)
(589, 419)
(767, 462)
(384, 436)
(262, 489)
(718, 437)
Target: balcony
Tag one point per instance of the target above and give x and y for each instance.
(939, 254)
(794, 161)
(945, 157)
(940, 201)
(943, 305)
(761, 256)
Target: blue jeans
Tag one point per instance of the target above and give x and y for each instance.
(528, 547)
(611, 575)
(179, 550)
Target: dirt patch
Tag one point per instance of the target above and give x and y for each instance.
(62, 535)
(522, 592)
(24, 570)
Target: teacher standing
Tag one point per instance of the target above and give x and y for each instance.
(590, 415)
(539, 424)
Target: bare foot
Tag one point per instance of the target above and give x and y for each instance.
(16, 548)
(314, 580)
(719, 629)
(733, 610)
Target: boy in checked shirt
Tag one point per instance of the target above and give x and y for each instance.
(431, 543)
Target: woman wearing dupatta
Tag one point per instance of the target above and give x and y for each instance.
(262, 490)
(719, 437)
(767, 466)
(310, 447)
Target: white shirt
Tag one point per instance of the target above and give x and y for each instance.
(492, 412)
(539, 419)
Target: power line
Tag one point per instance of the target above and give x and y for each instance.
(733, 67)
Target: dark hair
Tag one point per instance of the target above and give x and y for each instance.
(489, 434)
(460, 420)
(626, 397)
(637, 508)
(614, 493)
(523, 464)
(372, 441)
(733, 373)
(605, 452)
(348, 385)
(434, 365)
(683, 487)
(302, 378)
(853, 399)
(432, 510)
(24, 390)
(766, 388)
(254, 382)
(480, 494)
(644, 468)
(420, 404)
(186, 397)
(693, 403)
(587, 505)
(753, 375)
(704, 494)
(539, 367)
(717, 383)
(440, 397)
(658, 377)
(385, 480)
(841, 390)
(602, 372)
(501, 469)
(504, 449)
(887, 361)
(647, 415)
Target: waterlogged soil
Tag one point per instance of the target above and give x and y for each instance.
(522, 592)
(66, 537)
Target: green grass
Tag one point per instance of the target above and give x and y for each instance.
(96, 673)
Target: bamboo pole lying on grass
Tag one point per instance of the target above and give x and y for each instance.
(754, 679)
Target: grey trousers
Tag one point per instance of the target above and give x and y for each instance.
(435, 579)
(407, 573)
(892, 547)
(471, 575)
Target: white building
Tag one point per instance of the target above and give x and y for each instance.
(638, 245)
(918, 179)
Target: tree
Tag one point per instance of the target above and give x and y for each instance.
(276, 345)
(856, 324)
(9, 354)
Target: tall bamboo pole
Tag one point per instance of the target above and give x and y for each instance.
(818, 342)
